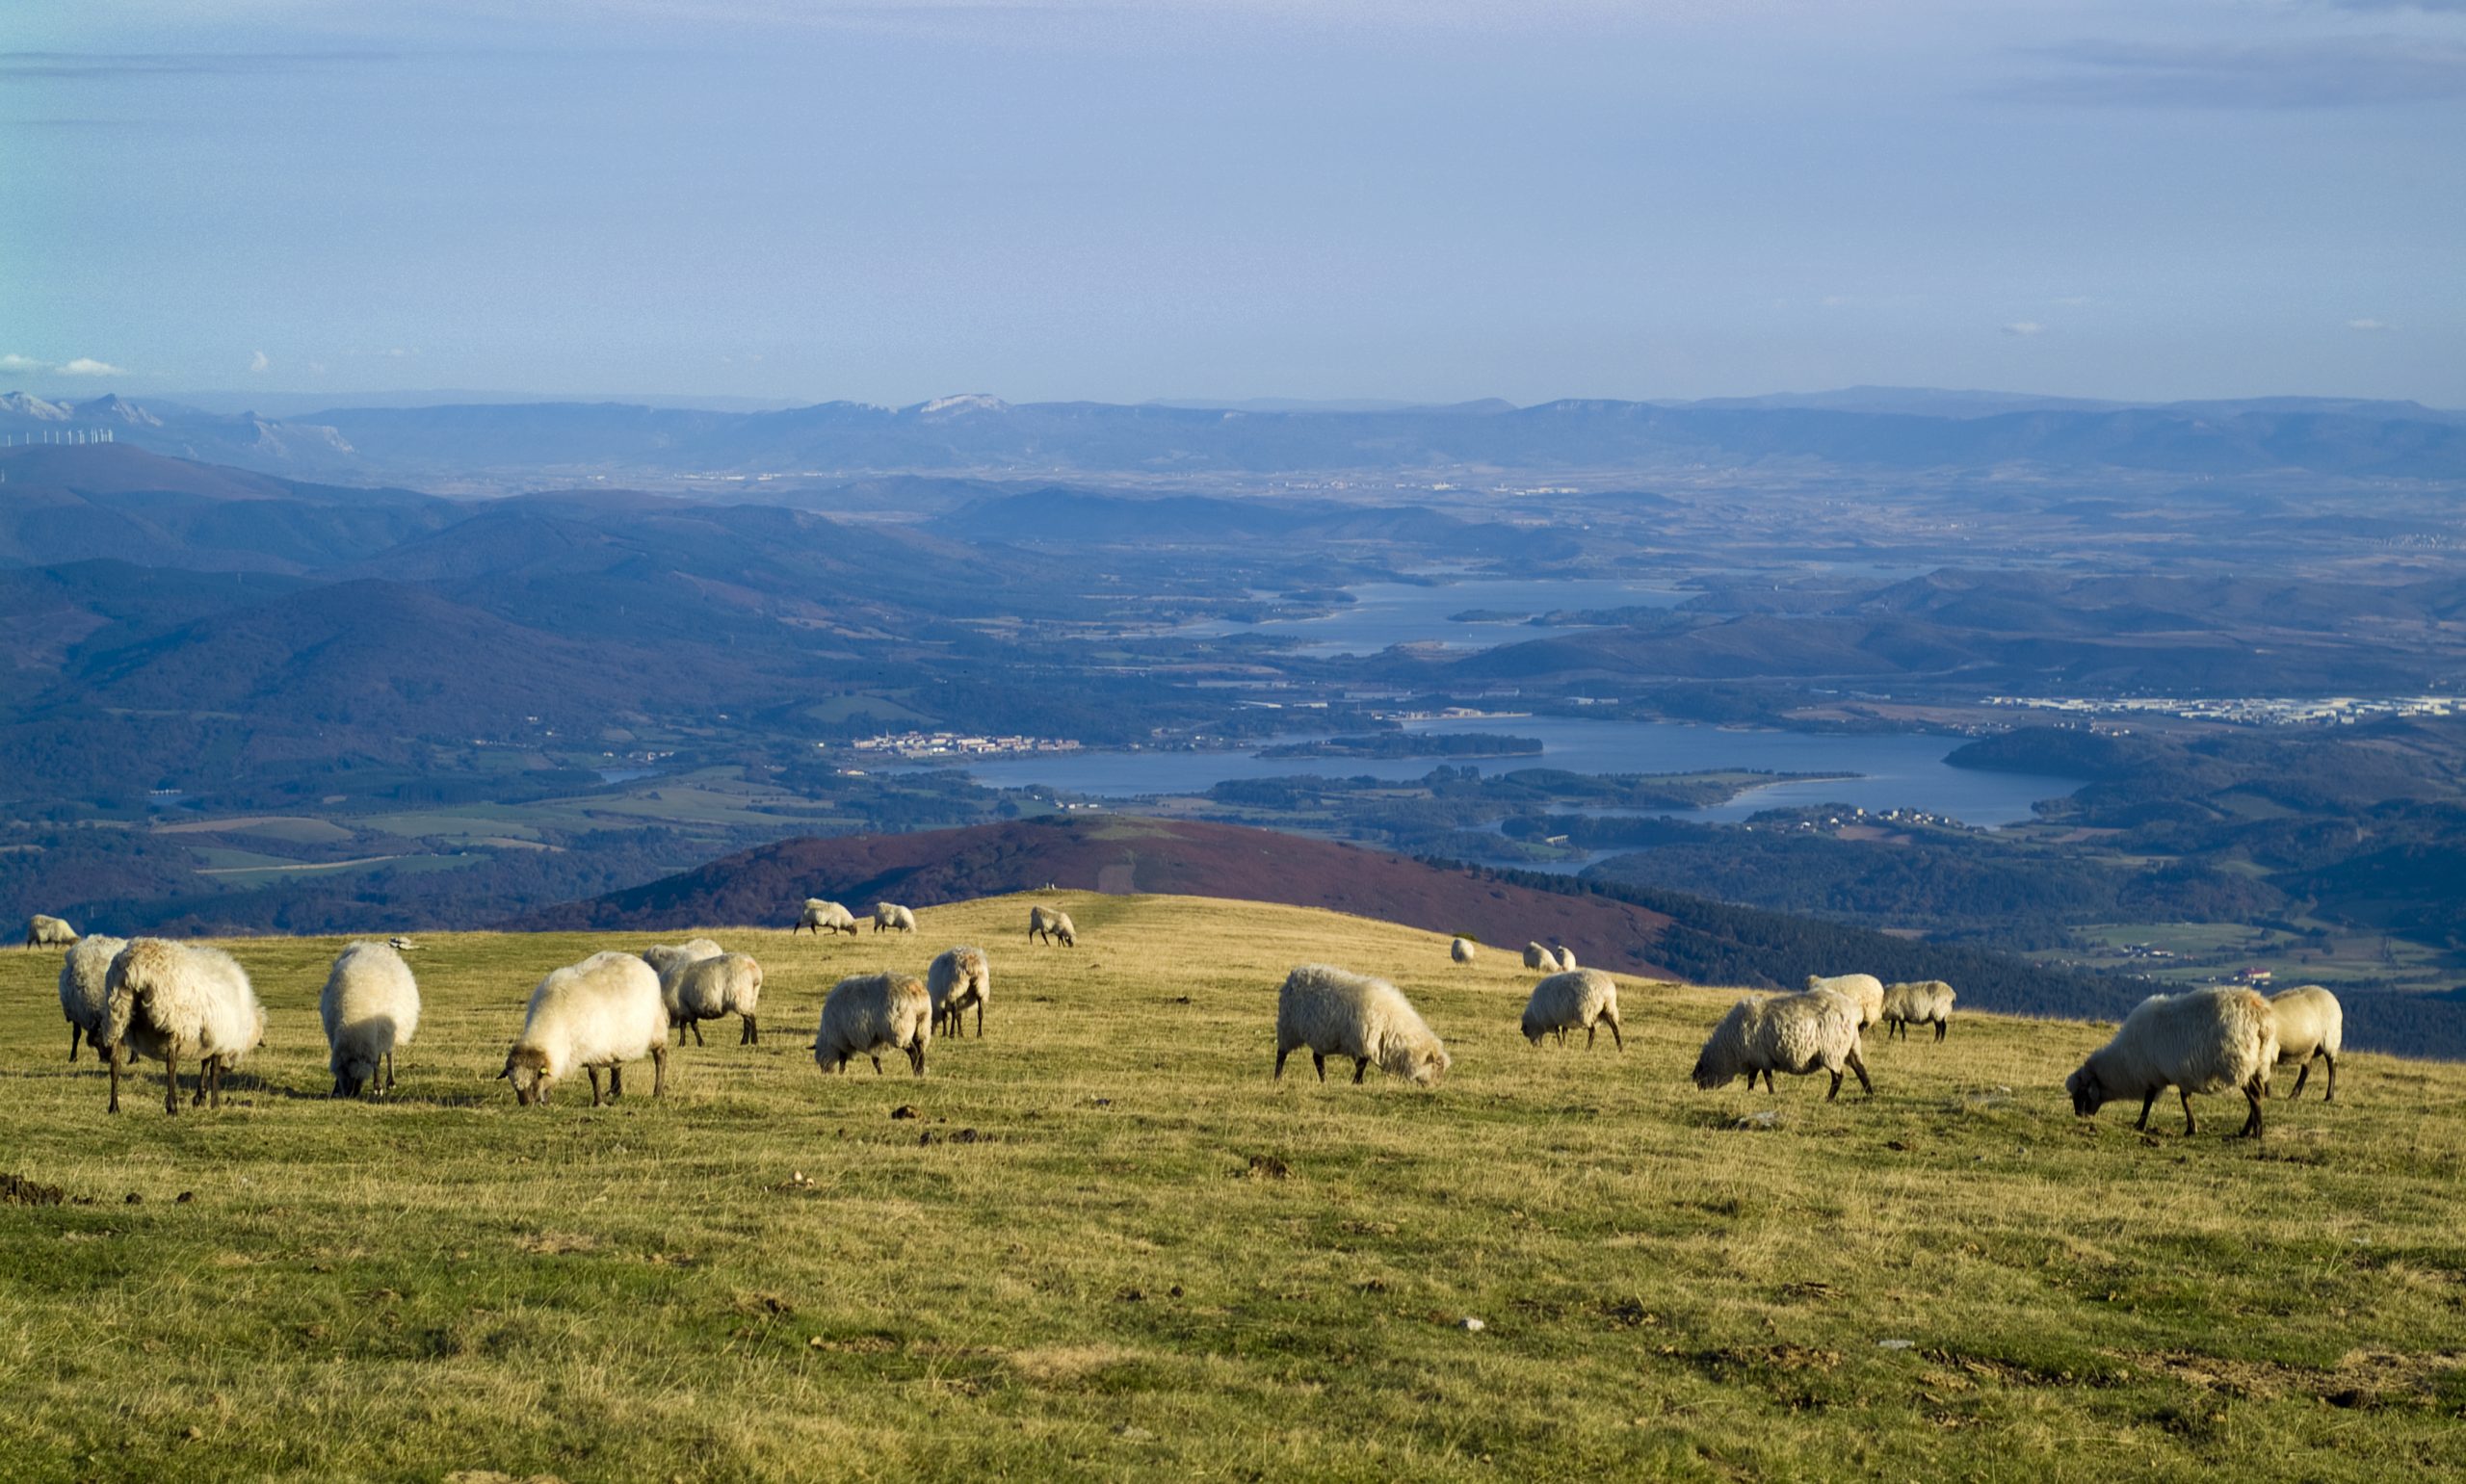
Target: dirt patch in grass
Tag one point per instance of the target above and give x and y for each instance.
(18, 1191)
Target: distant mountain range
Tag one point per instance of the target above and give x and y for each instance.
(1871, 429)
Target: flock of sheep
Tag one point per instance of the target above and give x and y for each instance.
(174, 1002)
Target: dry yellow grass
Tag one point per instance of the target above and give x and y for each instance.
(1108, 1246)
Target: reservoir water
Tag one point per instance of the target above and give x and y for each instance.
(1894, 772)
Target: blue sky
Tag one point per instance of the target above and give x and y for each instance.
(1442, 200)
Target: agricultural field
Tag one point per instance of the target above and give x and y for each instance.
(1101, 1244)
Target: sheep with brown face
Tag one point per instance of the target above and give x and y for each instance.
(956, 979)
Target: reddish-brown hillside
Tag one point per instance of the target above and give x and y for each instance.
(1120, 854)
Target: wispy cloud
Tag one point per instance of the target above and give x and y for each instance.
(2353, 72)
(111, 64)
(14, 362)
(87, 366)
(2368, 327)
(260, 363)
(2025, 328)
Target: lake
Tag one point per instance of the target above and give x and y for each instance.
(1386, 614)
(1895, 772)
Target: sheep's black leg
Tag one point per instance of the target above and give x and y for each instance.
(596, 1098)
(916, 1057)
(1619, 1040)
(1835, 1090)
(1360, 1068)
(2331, 1096)
(2301, 1074)
(1320, 1063)
(2252, 1091)
(2188, 1128)
(658, 1072)
(389, 1071)
(1859, 1064)
(697, 1034)
(1941, 1026)
(1588, 1033)
(2146, 1104)
(214, 1098)
(980, 1019)
(113, 1057)
(73, 1033)
(877, 1061)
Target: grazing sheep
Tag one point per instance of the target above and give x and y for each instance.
(1921, 1003)
(602, 1012)
(1462, 951)
(2310, 1024)
(85, 990)
(956, 978)
(371, 1005)
(165, 1000)
(890, 916)
(1862, 990)
(663, 957)
(1577, 1000)
(1335, 1011)
(2205, 1040)
(1051, 924)
(1535, 956)
(1566, 959)
(868, 1013)
(1793, 1033)
(49, 932)
(708, 988)
(821, 917)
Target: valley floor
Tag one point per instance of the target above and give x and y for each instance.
(1106, 1245)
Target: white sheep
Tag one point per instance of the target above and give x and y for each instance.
(1577, 1000)
(1566, 959)
(820, 917)
(959, 978)
(1793, 1033)
(1863, 990)
(2310, 1024)
(1051, 924)
(1334, 1011)
(867, 1014)
(167, 999)
(1917, 1003)
(85, 990)
(371, 1005)
(602, 1012)
(1535, 956)
(666, 956)
(708, 988)
(49, 932)
(891, 917)
(2204, 1040)
(1462, 951)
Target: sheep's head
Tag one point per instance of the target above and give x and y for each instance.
(1708, 1077)
(1424, 1065)
(2088, 1095)
(1069, 939)
(355, 1074)
(527, 1068)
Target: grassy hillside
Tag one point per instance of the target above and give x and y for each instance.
(1106, 1247)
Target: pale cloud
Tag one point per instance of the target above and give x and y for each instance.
(259, 363)
(2368, 327)
(2025, 328)
(87, 366)
(12, 362)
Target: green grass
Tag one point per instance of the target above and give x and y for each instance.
(1109, 1248)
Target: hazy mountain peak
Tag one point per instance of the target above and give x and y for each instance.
(969, 401)
(26, 404)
